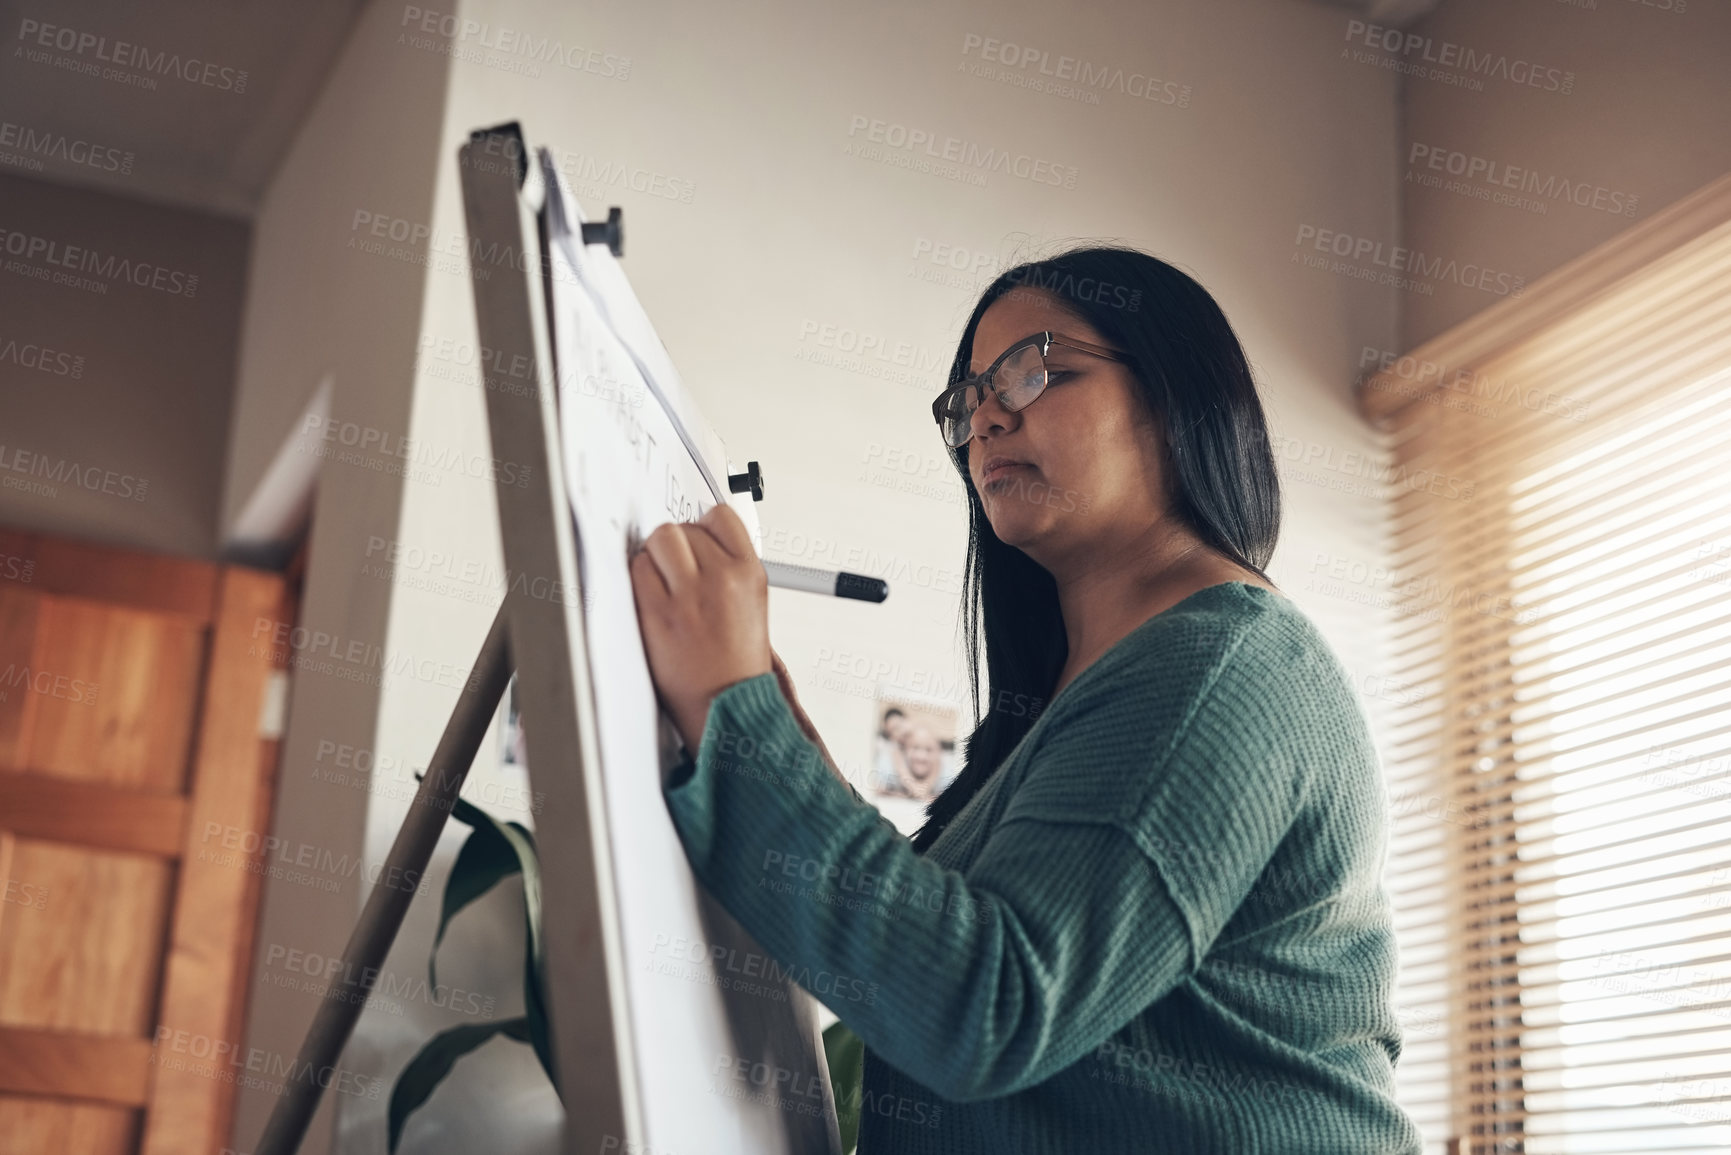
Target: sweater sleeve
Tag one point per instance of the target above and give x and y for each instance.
(976, 986)
(687, 766)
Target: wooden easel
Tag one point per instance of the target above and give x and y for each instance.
(544, 641)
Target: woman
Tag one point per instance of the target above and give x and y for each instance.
(1147, 915)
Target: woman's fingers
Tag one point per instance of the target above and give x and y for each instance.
(672, 556)
(682, 550)
(714, 544)
(711, 554)
(729, 530)
(703, 612)
(646, 579)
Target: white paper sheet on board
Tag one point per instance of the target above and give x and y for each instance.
(629, 467)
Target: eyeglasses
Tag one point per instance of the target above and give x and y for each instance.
(1017, 377)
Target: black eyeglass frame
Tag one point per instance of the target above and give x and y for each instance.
(981, 381)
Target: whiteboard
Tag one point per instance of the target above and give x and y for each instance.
(716, 1050)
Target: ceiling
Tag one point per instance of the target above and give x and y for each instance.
(1389, 13)
(73, 110)
(81, 108)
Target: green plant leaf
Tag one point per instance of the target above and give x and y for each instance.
(534, 958)
(435, 1060)
(487, 858)
(535, 1010)
(845, 1053)
(522, 844)
(506, 847)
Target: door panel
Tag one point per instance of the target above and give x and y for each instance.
(85, 952)
(129, 719)
(30, 1125)
(117, 694)
(17, 644)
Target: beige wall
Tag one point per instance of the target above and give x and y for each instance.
(753, 233)
(760, 243)
(115, 380)
(1645, 122)
(319, 309)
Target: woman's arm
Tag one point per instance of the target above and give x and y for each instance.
(785, 681)
(979, 986)
(1082, 907)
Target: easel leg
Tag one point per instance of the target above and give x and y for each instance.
(382, 916)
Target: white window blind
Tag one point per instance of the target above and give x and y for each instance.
(1560, 771)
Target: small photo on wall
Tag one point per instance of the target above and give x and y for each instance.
(914, 752)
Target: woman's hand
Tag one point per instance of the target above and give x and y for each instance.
(703, 609)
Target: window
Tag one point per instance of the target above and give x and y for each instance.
(1560, 755)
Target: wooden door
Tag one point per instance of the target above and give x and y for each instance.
(138, 718)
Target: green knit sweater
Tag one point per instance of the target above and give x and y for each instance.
(1159, 927)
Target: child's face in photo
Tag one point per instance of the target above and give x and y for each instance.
(925, 759)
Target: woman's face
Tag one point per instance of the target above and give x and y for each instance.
(1090, 460)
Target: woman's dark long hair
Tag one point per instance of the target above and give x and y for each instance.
(1194, 378)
